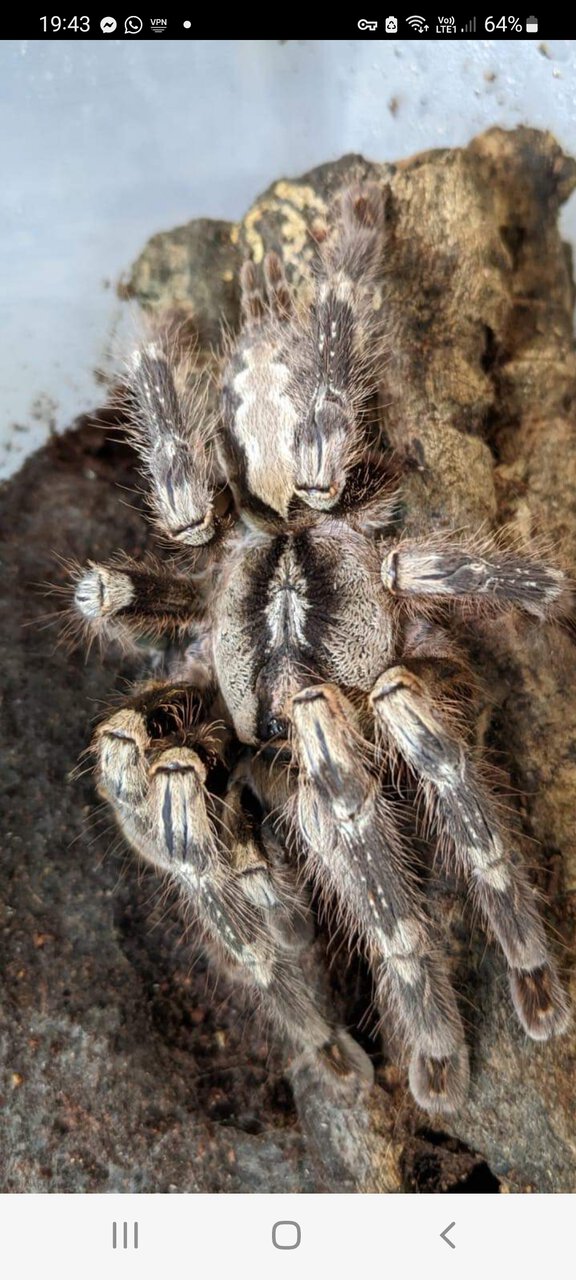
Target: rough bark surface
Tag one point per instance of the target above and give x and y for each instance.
(125, 1067)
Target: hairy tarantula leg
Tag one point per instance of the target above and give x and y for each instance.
(256, 383)
(268, 883)
(268, 786)
(162, 799)
(159, 715)
(170, 429)
(466, 816)
(356, 851)
(130, 600)
(449, 568)
(271, 886)
(341, 345)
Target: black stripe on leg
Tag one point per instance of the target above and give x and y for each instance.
(167, 821)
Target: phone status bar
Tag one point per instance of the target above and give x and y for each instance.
(363, 25)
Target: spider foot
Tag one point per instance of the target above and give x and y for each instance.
(171, 428)
(346, 1059)
(156, 767)
(540, 1002)
(121, 742)
(129, 601)
(440, 1084)
(341, 1066)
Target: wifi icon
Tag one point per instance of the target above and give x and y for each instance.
(417, 23)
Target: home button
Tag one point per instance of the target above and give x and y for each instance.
(286, 1235)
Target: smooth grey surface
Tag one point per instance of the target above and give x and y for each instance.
(104, 144)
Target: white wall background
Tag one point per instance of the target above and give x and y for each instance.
(103, 144)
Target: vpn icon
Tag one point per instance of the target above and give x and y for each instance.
(126, 1239)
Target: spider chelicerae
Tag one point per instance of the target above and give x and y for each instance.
(309, 669)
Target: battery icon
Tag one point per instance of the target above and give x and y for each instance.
(531, 24)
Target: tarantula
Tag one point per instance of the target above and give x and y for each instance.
(309, 669)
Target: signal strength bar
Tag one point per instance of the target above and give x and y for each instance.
(469, 27)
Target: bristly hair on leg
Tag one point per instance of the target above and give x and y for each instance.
(338, 345)
(127, 601)
(171, 422)
(485, 571)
